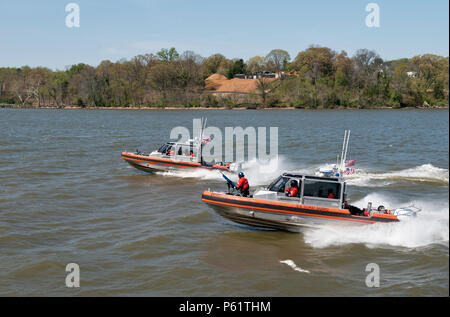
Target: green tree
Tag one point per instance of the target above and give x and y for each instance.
(237, 68)
(168, 55)
(315, 63)
(213, 64)
(277, 60)
(256, 64)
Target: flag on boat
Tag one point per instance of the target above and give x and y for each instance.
(206, 140)
(350, 163)
(349, 171)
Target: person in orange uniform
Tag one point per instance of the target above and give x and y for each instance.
(293, 190)
(330, 194)
(243, 185)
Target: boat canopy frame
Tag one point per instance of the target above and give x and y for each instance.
(316, 200)
(181, 150)
(194, 145)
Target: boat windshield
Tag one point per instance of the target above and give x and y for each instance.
(279, 184)
(163, 149)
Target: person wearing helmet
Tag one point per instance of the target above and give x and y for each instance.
(242, 185)
(293, 190)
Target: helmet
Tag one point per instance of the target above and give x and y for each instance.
(294, 183)
(241, 174)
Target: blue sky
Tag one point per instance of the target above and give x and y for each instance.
(34, 32)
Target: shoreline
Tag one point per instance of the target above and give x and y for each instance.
(216, 108)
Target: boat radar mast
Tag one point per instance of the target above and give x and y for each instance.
(344, 152)
(340, 168)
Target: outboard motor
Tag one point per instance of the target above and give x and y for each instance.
(406, 212)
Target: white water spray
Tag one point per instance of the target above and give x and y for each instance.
(292, 265)
(429, 227)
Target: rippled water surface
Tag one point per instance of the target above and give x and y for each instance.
(66, 196)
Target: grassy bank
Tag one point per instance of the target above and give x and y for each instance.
(169, 108)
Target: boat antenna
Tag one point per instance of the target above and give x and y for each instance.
(204, 125)
(344, 150)
(203, 122)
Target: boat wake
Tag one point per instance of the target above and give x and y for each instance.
(429, 227)
(426, 173)
(258, 172)
(261, 173)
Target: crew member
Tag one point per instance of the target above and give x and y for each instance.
(331, 194)
(293, 190)
(242, 185)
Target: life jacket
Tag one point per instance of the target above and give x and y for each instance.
(243, 183)
(292, 191)
(331, 195)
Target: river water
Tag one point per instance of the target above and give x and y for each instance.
(66, 196)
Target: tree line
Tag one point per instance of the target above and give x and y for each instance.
(317, 77)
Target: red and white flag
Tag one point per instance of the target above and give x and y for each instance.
(206, 139)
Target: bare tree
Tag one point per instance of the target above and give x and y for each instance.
(263, 86)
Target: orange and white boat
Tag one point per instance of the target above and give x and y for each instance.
(316, 200)
(319, 201)
(175, 156)
(186, 155)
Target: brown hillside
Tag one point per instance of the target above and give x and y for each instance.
(219, 83)
(214, 81)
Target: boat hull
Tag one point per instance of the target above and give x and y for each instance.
(283, 216)
(152, 164)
